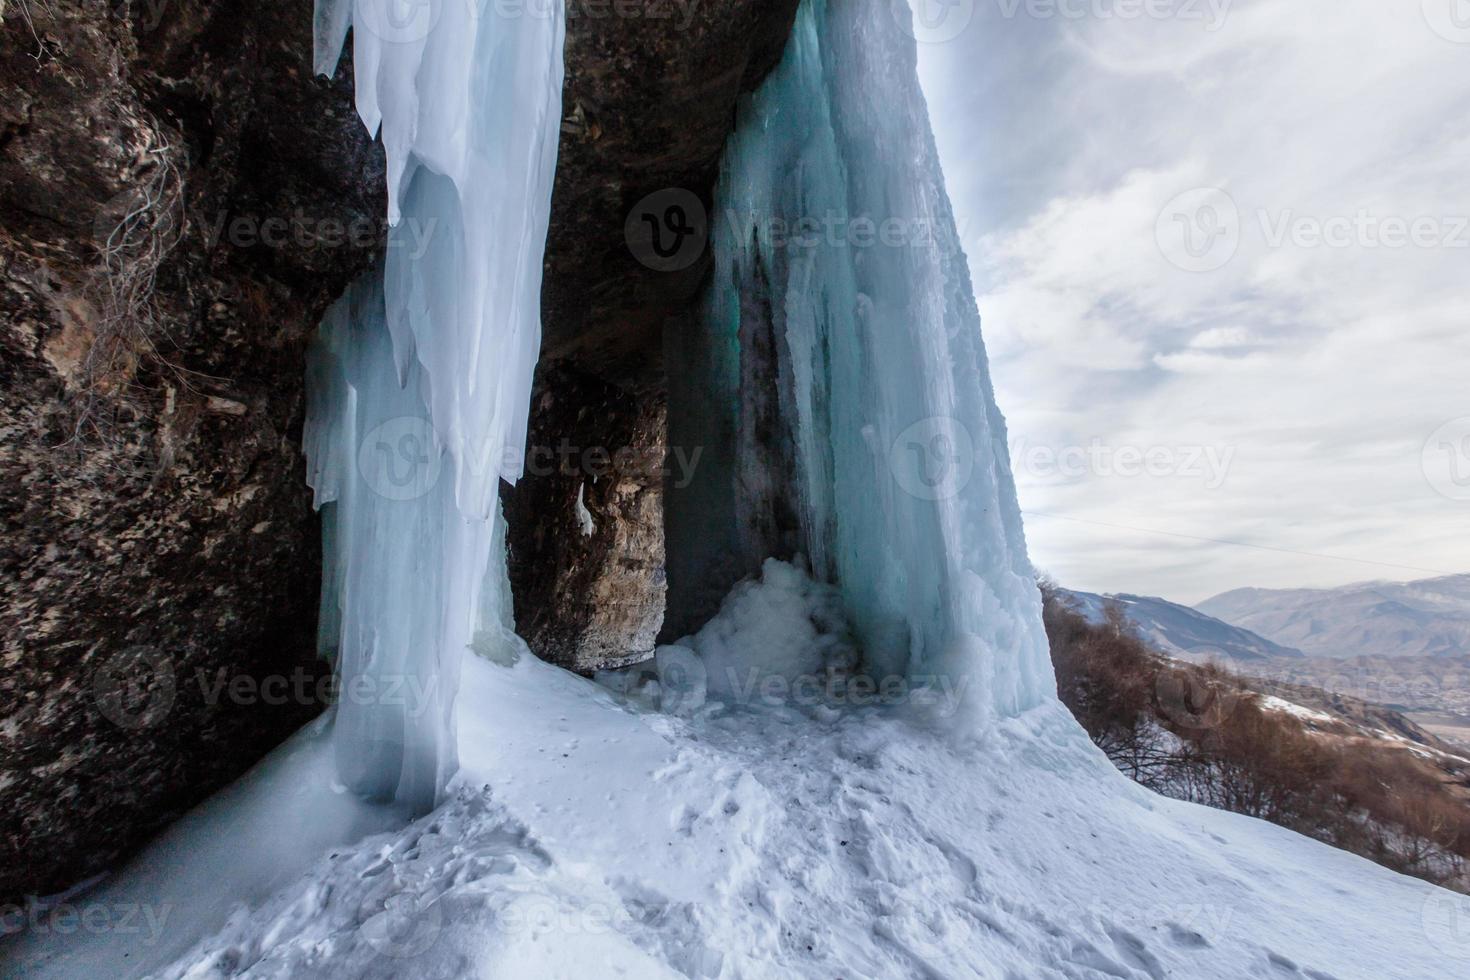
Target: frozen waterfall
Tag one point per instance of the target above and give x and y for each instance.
(419, 385)
(841, 306)
(853, 421)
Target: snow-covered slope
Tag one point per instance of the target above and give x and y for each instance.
(1181, 631)
(1394, 619)
(589, 835)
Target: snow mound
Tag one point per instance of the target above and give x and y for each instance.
(774, 637)
(781, 639)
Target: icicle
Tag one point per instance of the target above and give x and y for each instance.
(832, 221)
(420, 383)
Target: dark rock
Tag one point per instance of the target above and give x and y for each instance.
(156, 537)
(648, 104)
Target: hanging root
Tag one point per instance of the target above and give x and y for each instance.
(136, 233)
(24, 6)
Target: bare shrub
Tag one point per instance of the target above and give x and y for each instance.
(1199, 733)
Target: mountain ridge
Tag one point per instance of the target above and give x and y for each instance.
(1184, 631)
(1428, 617)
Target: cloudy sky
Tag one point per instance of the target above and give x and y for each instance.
(1222, 252)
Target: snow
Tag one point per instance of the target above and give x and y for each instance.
(1272, 703)
(585, 836)
(237, 849)
(773, 634)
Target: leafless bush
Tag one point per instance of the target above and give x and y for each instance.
(1376, 801)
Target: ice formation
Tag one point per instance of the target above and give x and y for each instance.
(420, 384)
(841, 304)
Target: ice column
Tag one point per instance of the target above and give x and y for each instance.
(419, 385)
(833, 236)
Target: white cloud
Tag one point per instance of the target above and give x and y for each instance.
(1324, 368)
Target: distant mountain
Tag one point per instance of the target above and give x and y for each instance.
(1429, 618)
(1184, 632)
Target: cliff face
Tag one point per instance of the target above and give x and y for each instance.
(179, 202)
(156, 542)
(649, 101)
